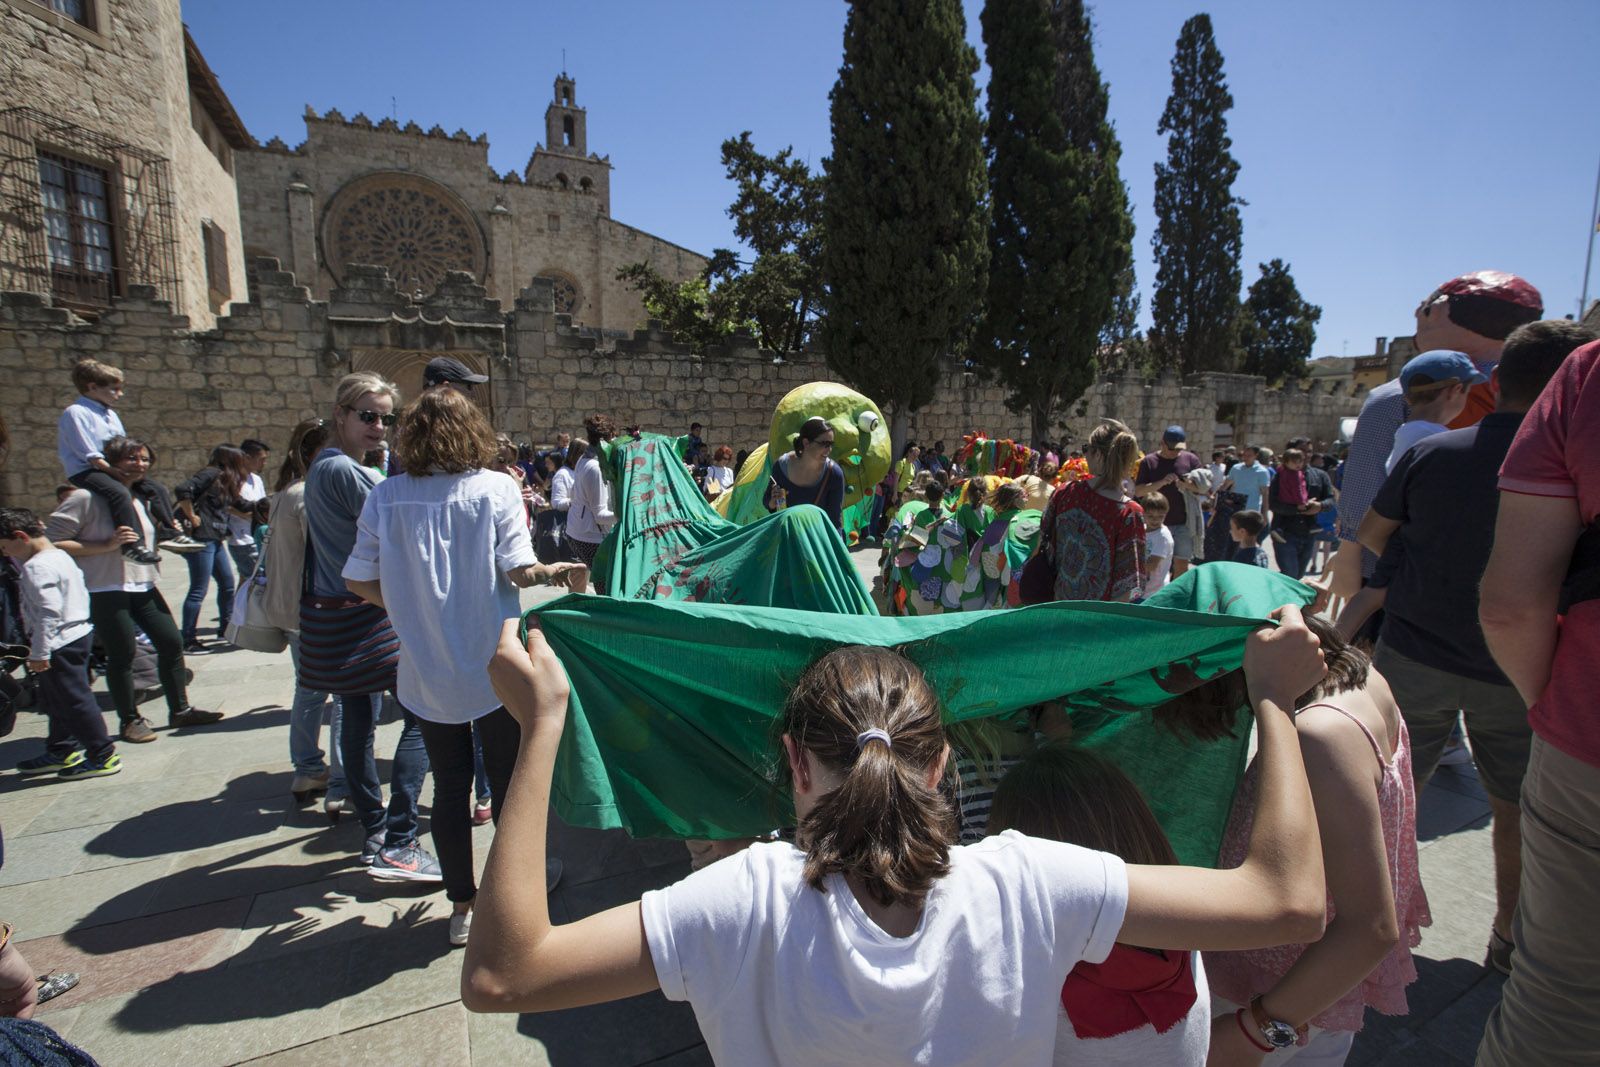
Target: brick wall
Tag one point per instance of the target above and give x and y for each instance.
(270, 363)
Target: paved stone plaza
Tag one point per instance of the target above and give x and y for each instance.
(214, 922)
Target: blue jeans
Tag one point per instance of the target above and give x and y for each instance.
(1294, 554)
(210, 562)
(399, 825)
(306, 716)
(480, 777)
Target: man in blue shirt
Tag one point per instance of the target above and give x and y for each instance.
(1249, 477)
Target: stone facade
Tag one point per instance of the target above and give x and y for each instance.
(272, 362)
(424, 202)
(125, 90)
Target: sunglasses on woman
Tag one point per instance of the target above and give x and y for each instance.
(370, 417)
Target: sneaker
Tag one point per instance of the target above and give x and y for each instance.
(137, 731)
(140, 554)
(93, 768)
(193, 717)
(196, 647)
(483, 812)
(306, 788)
(333, 807)
(460, 927)
(50, 763)
(408, 863)
(183, 543)
(1501, 949)
(371, 847)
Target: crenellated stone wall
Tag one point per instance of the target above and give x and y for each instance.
(272, 362)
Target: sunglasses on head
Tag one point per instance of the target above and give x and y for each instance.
(370, 417)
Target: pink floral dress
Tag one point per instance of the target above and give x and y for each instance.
(1238, 976)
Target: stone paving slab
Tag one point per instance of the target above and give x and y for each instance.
(215, 922)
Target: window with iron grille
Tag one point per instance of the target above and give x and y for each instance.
(80, 229)
(215, 242)
(79, 11)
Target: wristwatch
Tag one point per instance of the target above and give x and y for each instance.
(1275, 1032)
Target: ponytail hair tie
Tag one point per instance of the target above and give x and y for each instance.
(873, 734)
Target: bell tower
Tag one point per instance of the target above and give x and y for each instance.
(565, 121)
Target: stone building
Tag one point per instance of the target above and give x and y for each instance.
(117, 156)
(423, 203)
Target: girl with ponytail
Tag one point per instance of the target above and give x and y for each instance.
(1092, 534)
(875, 938)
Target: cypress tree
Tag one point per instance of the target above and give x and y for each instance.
(1277, 327)
(904, 217)
(1060, 245)
(1198, 232)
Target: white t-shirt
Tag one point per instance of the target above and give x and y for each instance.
(722, 476)
(1184, 1045)
(1157, 542)
(441, 544)
(780, 973)
(240, 531)
(1407, 435)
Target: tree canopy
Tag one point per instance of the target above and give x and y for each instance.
(1277, 326)
(1060, 243)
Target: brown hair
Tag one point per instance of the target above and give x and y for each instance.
(118, 448)
(1066, 793)
(1009, 496)
(1208, 711)
(1292, 454)
(444, 432)
(304, 441)
(88, 373)
(1250, 522)
(598, 427)
(1532, 355)
(1154, 503)
(882, 824)
(1119, 450)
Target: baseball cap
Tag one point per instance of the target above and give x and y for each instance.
(1174, 436)
(443, 369)
(1442, 364)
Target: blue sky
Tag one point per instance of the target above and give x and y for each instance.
(1384, 146)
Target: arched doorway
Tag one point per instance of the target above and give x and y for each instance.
(404, 366)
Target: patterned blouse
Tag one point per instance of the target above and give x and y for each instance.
(1097, 544)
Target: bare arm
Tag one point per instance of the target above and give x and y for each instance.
(80, 549)
(371, 592)
(1375, 531)
(1342, 770)
(1533, 541)
(517, 961)
(1277, 896)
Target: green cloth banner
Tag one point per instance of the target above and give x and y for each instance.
(670, 731)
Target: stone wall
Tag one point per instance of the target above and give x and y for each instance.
(270, 363)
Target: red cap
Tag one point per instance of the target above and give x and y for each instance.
(1495, 284)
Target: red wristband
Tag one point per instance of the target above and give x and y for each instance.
(1238, 1017)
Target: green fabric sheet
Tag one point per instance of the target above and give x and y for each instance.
(669, 544)
(670, 730)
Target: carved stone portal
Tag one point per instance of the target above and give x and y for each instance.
(415, 227)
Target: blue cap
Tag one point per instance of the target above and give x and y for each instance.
(1440, 365)
(1174, 436)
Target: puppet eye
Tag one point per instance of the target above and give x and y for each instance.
(868, 422)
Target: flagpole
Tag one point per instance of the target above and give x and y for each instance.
(1594, 224)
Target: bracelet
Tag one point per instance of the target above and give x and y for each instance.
(1238, 1017)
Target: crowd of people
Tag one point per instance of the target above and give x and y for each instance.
(946, 895)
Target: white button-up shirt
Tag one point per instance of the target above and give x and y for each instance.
(441, 545)
(82, 432)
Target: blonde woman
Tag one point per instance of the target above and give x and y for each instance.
(1093, 532)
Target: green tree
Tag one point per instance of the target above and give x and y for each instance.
(697, 312)
(777, 213)
(1277, 327)
(1122, 347)
(904, 249)
(1198, 233)
(1061, 238)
